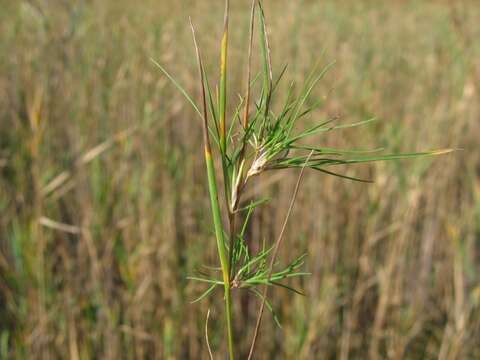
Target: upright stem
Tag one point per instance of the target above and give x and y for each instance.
(222, 251)
(223, 147)
(223, 150)
(223, 82)
(267, 65)
(238, 186)
(223, 107)
(249, 72)
(216, 212)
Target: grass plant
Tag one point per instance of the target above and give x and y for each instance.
(104, 201)
(267, 138)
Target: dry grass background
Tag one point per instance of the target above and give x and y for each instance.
(103, 196)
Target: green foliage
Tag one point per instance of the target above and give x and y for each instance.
(268, 139)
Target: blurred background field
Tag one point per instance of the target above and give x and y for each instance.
(103, 199)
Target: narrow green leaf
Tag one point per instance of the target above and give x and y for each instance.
(269, 306)
(205, 294)
(179, 87)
